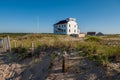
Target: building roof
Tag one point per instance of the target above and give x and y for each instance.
(65, 21)
(61, 22)
(99, 34)
(91, 33)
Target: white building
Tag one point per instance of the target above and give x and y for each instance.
(68, 26)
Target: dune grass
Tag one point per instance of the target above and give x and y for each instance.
(91, 47)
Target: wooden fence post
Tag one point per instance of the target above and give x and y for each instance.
(3, 46)
(63, 64)
(15, 45)
(22, 45)
(64, 61)
(9, 44)
(32, 46)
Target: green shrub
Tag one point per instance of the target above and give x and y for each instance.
(93, 38)
(19, 50)
(21, 53)
(52, 56)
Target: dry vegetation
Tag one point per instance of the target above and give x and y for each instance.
(101, 50)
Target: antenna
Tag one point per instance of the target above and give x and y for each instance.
(37, 24)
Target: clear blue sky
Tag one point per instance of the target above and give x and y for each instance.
(92, 15)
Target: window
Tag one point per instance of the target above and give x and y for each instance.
(69, 25)
(74, 30)
(63, 25)
(64, 30)
(69, 30)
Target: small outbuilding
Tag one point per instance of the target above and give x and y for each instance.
(82, 35)
(91, 33)
(99, 34)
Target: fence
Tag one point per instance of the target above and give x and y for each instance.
(5, 44)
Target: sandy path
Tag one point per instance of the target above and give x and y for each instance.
(82, 69)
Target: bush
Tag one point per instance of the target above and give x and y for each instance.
(19, 50)
(94, 39)
(21, 53)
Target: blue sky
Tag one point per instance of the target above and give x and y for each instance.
(92, 15)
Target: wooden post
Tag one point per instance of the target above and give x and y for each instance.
(22, 45)
(64, 60)
(15, 45)
(32, 46)
(107, 71)
(118, 58)
(63, 64)
(9, 45)
(4, 45)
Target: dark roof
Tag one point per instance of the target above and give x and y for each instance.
(62, 22)
(99, 34)
(91, 33)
